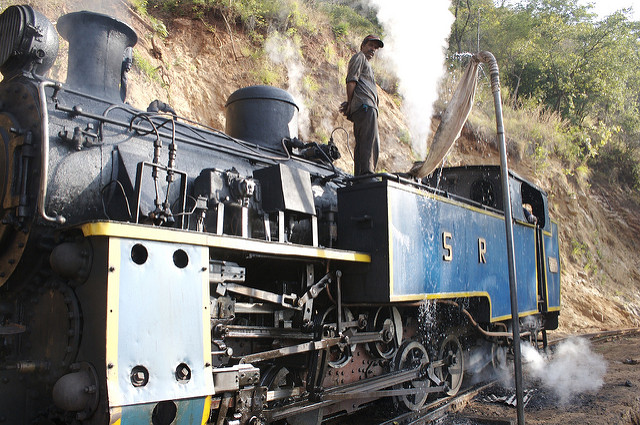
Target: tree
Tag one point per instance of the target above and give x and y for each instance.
(557, 54)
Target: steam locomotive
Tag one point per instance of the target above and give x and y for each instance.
(155, 270)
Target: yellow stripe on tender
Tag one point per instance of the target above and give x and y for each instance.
(440, 198)
(441, 295)
(206, 318)
(390, 221)
(450, 295)
(543, 256)
(207, 410)
(525, 224)
(113, 303)
(536, 253)
(115, 415)
(137, 231)
(520, 314)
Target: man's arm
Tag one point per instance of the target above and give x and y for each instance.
(351, 87)
(353, 74)
(344, 108)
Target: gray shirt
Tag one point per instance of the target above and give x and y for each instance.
(366, 92)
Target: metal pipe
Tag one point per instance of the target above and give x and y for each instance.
(290, 350)
(488, 58)
(490, 333)
(477, 325)
(339, 306)
(44, 154)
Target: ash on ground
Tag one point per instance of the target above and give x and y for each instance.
(615, 401)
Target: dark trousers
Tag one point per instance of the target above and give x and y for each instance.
(365, 128)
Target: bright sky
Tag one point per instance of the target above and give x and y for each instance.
(607, 7)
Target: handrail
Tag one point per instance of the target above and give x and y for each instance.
(44, 155)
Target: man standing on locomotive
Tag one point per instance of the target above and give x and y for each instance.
(361, 106)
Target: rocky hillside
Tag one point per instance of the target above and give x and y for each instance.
(203, 60)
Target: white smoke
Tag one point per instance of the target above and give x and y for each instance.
(415, 44)
(573, 368)
(283, 51)
(480, 368)
(107, 7)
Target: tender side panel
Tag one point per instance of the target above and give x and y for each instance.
(459, 251)
(524, 241)
(363, 225)
(552, 263)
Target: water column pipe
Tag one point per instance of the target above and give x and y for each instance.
(488, 58)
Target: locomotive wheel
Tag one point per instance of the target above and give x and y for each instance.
(453, 370)
(412, 355)
(390, 318)
(339, 355)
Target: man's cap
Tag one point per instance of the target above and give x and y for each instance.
(373, 38)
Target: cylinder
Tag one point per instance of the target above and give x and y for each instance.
(96, 48)
(72, 391)
(262, 115)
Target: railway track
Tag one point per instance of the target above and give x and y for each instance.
(438, 409)
(431, 412)
(602, 336)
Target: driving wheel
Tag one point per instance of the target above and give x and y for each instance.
(412, 355)
(452, 371)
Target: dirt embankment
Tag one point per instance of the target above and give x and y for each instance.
(201, 63)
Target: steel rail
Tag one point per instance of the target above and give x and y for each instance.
(599, 336)
(438, 408)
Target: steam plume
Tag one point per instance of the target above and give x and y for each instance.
(107, 7)
(282, 51)
(572, 370)
(415, 42)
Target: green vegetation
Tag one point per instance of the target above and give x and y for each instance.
(347, 18)
(351, 18)
(266, 73)
(404, 136)
(582, 255)
(140, 6)
(257, 17)
(310, 84)
(556, 55)
(145, 66)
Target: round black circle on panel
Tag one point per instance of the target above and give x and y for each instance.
(139, 254)
(183, 373)
(139, 376)
(180, 259)
(164, 413)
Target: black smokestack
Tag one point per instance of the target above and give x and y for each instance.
(96, 47)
